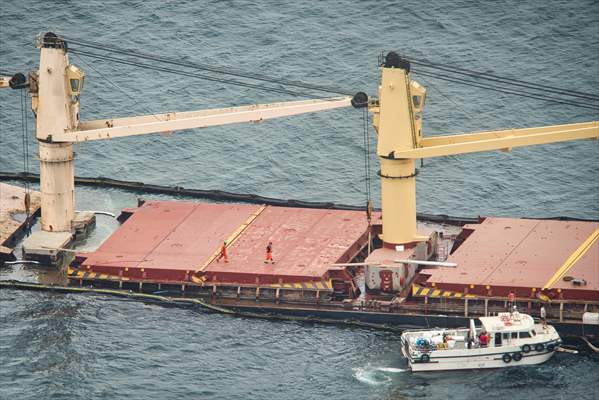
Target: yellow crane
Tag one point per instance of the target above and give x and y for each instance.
(397, 117)
(398, 123)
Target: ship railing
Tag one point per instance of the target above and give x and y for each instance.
(561, 310)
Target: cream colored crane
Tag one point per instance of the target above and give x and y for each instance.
(397, 118)
(56, 90)
(398, 123)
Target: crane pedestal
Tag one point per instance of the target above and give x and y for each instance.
(47, 247)
(51, 248)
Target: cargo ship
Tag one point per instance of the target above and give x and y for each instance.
(374, 266)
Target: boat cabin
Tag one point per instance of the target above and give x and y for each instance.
(507, 328)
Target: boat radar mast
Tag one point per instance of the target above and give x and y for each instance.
(397, 117)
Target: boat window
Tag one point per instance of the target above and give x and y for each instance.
(498, 339)
(533, 332)
(524, 334)
(514, 335)
(506, 336)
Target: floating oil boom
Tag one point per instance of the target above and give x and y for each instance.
(397, 117)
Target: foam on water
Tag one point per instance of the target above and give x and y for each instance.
(394, 370)
(371, 376)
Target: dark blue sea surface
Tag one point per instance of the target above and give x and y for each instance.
(66, 346)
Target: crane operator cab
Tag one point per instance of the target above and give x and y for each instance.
(418, 98)
(75, 79)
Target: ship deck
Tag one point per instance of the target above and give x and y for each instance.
(12, 215)
(524, 256)
(174, 241)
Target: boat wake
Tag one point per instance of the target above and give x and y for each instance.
(375, 375)
(394, 370)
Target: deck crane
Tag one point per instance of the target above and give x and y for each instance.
(56, 89)
(397, 117)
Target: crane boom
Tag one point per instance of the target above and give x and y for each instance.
(114, 128)
(500, 140)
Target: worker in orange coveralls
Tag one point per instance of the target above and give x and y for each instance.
(269, 258)
(223, 252)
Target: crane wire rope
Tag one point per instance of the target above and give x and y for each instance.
(190, 74)
(367, 176)
(204, 67)
(458, 80)
(500, 79)
(25, 144)
(367, 180)
(118, 88)
(507, 91)
(270, 79)
(457, 106)
(425, 63)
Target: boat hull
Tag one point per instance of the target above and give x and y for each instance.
(483, 361)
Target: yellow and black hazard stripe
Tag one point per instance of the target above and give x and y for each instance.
(311, 285)
(323, 285)
(421, 291)
(88, 275)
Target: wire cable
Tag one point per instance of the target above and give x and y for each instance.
(366, 156)
(423, 63)
(508, 91)
(119, 88)
(205, 67)
(500, 79)
(191, 74)
(25, 143)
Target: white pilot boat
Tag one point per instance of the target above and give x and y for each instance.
(505, 340)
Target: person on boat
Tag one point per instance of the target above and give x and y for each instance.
(483, 339)
(269, 258)
(511, 298)
(544, 316)
(223, 252)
